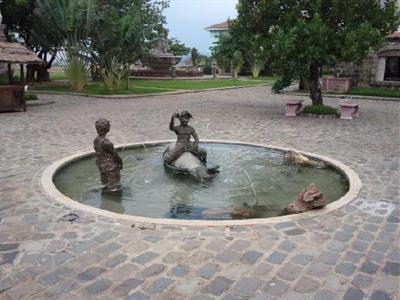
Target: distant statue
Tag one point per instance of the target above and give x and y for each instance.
(163, 44)
(186, 156)
(107, 158)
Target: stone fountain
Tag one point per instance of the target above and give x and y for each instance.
(160, 62)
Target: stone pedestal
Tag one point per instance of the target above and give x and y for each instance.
(2, 34)
(214, 71)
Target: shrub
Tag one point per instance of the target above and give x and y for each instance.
(30, 97)
(4, 78)
(319, 110)
(237, 63)
(375, 91)
(281, 83)
(76, 73)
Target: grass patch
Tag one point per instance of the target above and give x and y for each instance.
(155, 86)
(319, 110)
(263, 78)
(30, 97)
(99, 89)
(195, 84)
(375, 91)
(59, 75)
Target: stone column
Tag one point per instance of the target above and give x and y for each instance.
(380, 69)
(2, 35)
(173, 71)
(214, 69)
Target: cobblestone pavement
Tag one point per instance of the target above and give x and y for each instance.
(352, 253)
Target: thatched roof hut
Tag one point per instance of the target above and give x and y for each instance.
(14, 53)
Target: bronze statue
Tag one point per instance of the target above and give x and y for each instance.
(184, 132)
(186, 156)
(107, 159)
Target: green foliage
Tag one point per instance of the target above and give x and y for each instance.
(98, 88)
(70, 21)
(152, 86)
(76, 73)
(223, 50)
(196, 57)
(256, 67)
(207, 65)
(301, 36)
(18, 16)
(4, 78)
(30, 97)
(116, 77)
(281, 83)
(375, 91)
(237, 63)
(178, 48)
(121, 34)
(319, 110)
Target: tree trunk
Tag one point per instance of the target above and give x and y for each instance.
(315, 87)
(22, 73)
(30, 73)
(10, 74)
(42, 74)
(301, 84)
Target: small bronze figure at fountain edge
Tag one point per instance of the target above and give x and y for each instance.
(107, 158)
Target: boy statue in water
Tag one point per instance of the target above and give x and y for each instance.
(184, 132)
(107, 159)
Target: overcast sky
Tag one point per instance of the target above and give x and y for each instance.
(186, 20)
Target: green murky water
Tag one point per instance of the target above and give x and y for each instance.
(150, 190)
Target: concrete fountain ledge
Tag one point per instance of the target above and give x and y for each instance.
(49, 187)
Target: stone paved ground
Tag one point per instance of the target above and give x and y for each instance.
(351, 254)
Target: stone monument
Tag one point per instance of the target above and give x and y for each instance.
(160, 61)
(107, 159)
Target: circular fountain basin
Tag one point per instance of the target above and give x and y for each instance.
(254, 185)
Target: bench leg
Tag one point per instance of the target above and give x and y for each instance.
(291, 110)
(346, 113)
(299, 108)
(355, 112)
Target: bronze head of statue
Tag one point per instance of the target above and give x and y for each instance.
(102, 126)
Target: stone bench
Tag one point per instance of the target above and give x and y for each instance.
(293, 108)
(348, 111)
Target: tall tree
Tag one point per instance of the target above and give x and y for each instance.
(178, 48)
(304, 35)
(70, 22)
(123, 32)
(21, 22)
(223, 50)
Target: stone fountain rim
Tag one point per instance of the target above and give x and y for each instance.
(49, 187)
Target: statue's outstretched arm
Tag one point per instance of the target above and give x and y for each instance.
(171, 124)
